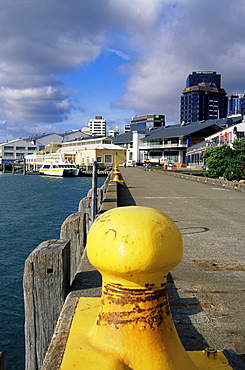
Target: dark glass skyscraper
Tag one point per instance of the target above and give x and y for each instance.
(203, 98)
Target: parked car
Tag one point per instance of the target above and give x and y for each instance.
(172, 166)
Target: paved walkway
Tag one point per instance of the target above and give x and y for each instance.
(207, 289)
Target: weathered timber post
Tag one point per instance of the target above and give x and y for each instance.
(24, 167)
(94, 192)
(74, 230)
(46, 284)
(2, 361)
(85, 208)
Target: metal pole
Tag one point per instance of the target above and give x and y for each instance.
(94, 191)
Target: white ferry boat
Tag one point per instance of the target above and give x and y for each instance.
(58, 168)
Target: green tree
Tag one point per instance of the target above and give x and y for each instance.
(238, 162)
(223, 161)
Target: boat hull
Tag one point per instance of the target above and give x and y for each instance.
(58, 169)
(60, 173)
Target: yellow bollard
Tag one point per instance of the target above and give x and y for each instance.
(116, 177)
(131, 326)
(134, 248)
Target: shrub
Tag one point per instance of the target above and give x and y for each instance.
(223, 161)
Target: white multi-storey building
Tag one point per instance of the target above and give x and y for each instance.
(15, 150)
(97, 126)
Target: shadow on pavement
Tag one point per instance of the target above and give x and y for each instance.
(124, 197)
(184, 311)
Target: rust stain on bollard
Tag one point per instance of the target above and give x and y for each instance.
(130, 306)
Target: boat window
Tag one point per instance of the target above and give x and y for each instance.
(46, 166)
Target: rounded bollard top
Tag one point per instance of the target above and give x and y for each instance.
(134, 245)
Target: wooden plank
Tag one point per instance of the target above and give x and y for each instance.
(46, 284)
(56, 348)
(74, 229)
(2, 361)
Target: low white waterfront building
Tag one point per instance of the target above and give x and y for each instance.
(16, 150)
(82, 153)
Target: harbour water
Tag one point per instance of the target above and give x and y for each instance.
(32, 209)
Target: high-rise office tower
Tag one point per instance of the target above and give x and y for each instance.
(97, 126)
(203, 98)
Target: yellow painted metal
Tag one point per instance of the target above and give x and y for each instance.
(134, 246)
(131, 326)
(117, 176)
(219, 362)
(80, 353)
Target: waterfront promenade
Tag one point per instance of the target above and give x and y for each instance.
(207, 289)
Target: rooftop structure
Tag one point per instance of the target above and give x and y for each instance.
(203, 76)
(147, 121)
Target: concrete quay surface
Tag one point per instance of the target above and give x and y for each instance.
(207, 289)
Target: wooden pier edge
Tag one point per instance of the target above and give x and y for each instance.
(48, 276)
(54, 355)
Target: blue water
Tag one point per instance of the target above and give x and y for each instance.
(32, 209)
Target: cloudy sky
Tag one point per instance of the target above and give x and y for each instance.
(64, 61)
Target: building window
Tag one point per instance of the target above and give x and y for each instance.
(99, 159)
(156, 142)
(106, 141)
(108, 158)
(20, 148)
(8, 147)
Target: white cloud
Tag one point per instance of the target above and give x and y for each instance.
(120, 54)
(193, 35)
(34, 105)
(159, 42)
